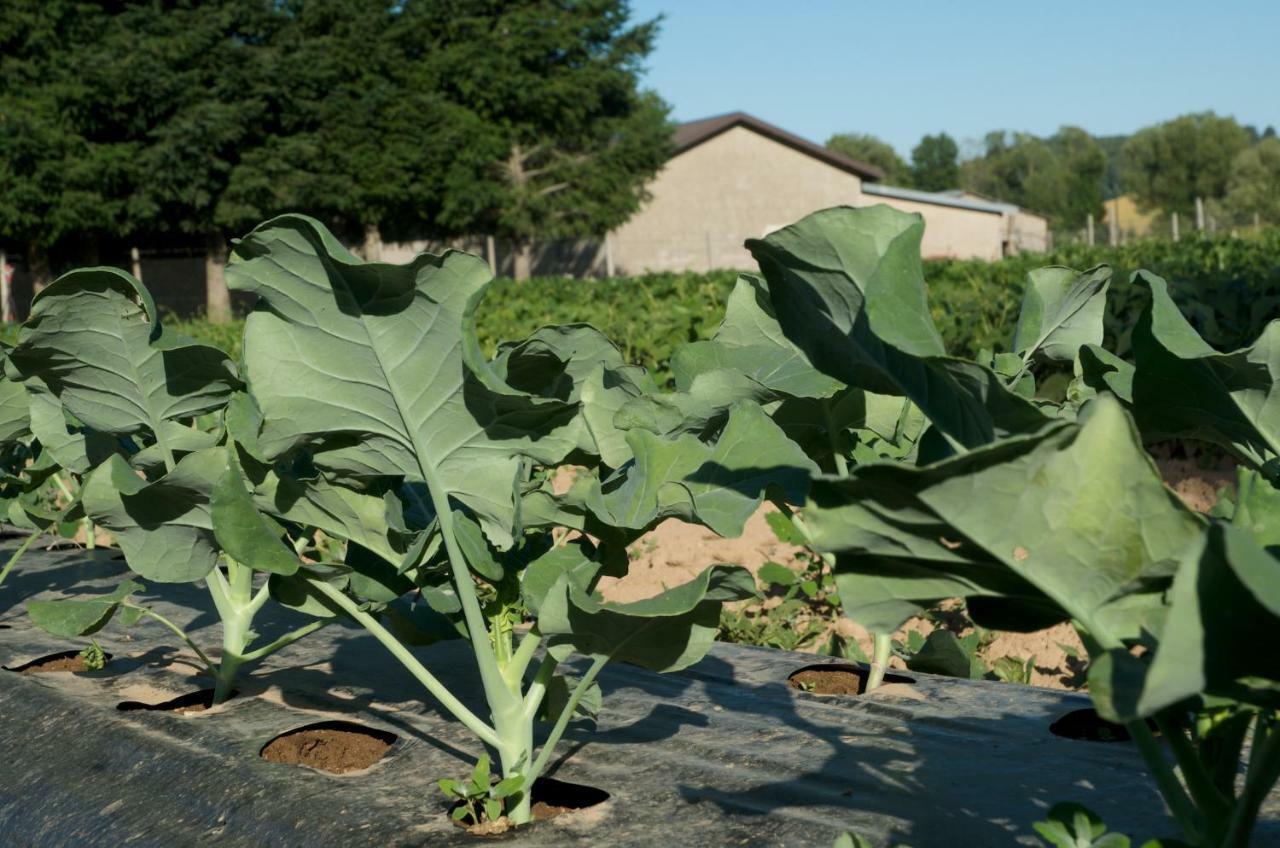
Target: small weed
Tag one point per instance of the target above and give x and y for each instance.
(479, 798)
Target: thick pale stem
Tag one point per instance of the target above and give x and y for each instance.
(1264, 769)
(515, 751)
(553, 738)
(410, 662)
(882, 646)
(538, 688)
(1197, 779)
(495, 687)
(519, 664)
(234, 599)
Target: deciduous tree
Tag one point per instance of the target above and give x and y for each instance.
(1253, 189)
(935, 164)
(874, 151)
(1169, 165)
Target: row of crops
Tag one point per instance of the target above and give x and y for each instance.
(1227, 287)
(364, 459)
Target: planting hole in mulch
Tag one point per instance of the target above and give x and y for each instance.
(838, 679)
(192, 702)
(1091, 727)
(61, 661)
(551, 798)
(337, 747)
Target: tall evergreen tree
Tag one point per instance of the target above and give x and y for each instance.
(68, 162)
(555, 84)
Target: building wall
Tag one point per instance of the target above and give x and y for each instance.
(1028, 233)
(955, 233)
(714, 196)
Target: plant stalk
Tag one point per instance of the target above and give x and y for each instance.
(22, 549)
(1263, 771)
(410, 662)
(882, 647)
(562, 722)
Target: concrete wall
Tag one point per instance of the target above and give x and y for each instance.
(952, 232)
(709, 199)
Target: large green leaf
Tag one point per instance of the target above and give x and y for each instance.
(1073, 522)
(667, 632)
(577, 363)
(95, 342)
(381, 363)
(71, 445)
(1184, 389)
(164, 527)
(848, 290)
(1224, 610)
(1062, 310)
(719, 484)
(1100, 370)
(750, 341)
(15, 419)
(241, 530)
(71, 618)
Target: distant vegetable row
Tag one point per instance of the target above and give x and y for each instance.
(1226, 287)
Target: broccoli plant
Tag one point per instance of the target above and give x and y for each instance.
(371, 375)
(1073, 523)
(140, 414)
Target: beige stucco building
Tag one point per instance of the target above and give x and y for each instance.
(735, 177)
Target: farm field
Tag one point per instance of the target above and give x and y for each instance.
(361, 510)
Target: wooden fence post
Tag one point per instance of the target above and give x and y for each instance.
(1174, 221)
(492, 250)
(135, 259)
(1088, 229)
(1200, 214)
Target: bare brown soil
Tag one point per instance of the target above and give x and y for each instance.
(74, 663)
(674, 552)
(335, 747)
(821, 681)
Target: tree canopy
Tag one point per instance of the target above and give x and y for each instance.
(867, 148)
(1062, 176)
(935, 163)
(191, 121)
(1169, 165)
(1253, 188)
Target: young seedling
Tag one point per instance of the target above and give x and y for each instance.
(94, 658)
(481, 798)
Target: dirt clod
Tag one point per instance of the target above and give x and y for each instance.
(335, 747)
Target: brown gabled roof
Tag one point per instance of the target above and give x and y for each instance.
(694, 133)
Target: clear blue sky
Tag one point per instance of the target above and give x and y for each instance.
(901, 68)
